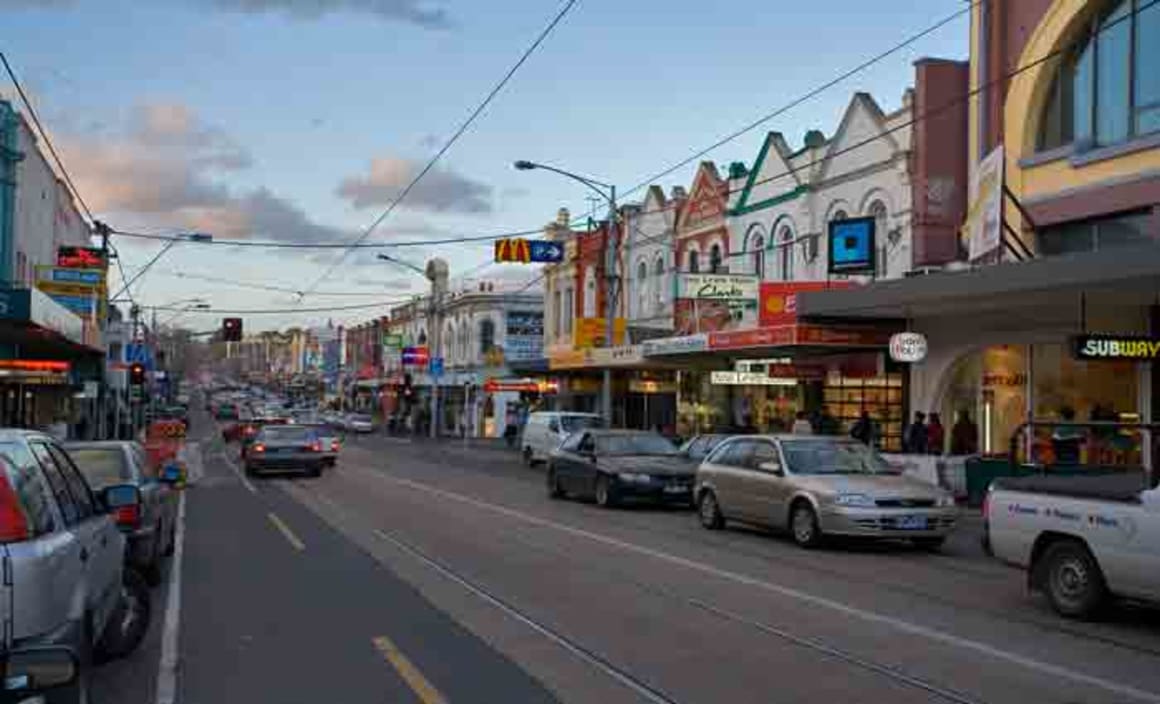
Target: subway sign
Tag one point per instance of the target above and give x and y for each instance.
(1116, 347)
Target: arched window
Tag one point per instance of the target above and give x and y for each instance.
(1107, 90)
(694, 259)
(486, 336)
(641, 287)
(839, 215)
(590, 294)
(659, 282)
(715, 260)
(877, 211)
(450, 349)
(758, 247)
(557, 315)
(785, 244)
(569, 310)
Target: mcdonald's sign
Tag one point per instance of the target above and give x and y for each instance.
(513, 250)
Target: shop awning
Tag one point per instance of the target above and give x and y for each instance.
(42, 328)
(1131, 274)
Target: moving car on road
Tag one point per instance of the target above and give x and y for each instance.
(150, 528)
(545, 430)
(1082, 539)
(817, 486)
(280, 448)
(330, 439)
(611, 466)
(63, 556)
(359, 423)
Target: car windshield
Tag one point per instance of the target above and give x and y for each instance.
(571, 424)
(102, 466)
(286, 433)
(699, 448)
(821, 456)
(642, 444)
(361, 418)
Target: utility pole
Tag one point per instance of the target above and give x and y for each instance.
(610, 279)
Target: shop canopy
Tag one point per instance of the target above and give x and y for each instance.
(1130, 275)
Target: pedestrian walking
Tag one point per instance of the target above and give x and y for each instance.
(863, 429)
(916, 435)
(964, 435)
(935, 435)
(801, 425)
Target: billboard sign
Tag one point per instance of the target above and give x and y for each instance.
(851, 246)
(718, 287)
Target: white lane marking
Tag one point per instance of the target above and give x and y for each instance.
(585, 655)
(167, 667)
(782, 590)
(286, 532)
(245, 482)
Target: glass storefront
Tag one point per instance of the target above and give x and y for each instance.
(881, 397)
(992, 388)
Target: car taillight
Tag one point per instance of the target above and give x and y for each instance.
(13, 523)
(128, 516)
(316, 446)
(334, 446)
(259, 447)
(986, 505)
(250, 430)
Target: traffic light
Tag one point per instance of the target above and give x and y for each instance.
(136, 374)
(232, 329)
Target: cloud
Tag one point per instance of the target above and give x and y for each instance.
(440, 190)
(416, 12)
(412, 11)
(164, 168)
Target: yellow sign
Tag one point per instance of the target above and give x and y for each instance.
(590, 332)
(651, 386)
(568, 359)
(59, 289)
(513, 250)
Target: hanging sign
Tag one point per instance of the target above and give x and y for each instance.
(908, 347)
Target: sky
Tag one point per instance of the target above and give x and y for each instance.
(300, 120)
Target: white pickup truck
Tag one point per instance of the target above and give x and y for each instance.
(1081, 539)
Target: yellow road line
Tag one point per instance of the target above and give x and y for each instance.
(410, 674)
(286, 532)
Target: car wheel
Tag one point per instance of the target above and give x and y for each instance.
(554, 490)
(804, 525)
(129, 621)
(605, 494)
(529, 460)
(1073, 580)
(709, 511)
(930, 544)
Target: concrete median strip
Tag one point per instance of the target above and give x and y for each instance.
(424, 690)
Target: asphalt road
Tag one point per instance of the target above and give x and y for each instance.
(430, 572)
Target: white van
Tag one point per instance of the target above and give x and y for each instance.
(545, 431)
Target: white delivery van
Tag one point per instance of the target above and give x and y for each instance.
(545, 431)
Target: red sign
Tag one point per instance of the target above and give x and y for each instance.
(70, 257)
(34, 365)
(844, 337)
(756, 337)
(696, 316)
(779, 300)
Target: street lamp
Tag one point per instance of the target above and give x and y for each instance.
(606, 191)
(400, 262)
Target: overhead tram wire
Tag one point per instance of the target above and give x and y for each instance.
(287, 311)
(453, 139)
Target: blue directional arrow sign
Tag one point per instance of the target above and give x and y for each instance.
(546, 252)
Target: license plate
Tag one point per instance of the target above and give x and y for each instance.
(911, 522)
(676, 489)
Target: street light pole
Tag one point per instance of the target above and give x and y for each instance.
(608, 193)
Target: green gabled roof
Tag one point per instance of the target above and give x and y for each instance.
(743, 205)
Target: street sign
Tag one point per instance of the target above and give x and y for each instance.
(393, 340)
(436, 366)
(547, 252)
(522, 251)
(415, 356)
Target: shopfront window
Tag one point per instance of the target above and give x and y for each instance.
(1121, 230)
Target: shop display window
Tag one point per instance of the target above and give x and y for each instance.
(846, 397)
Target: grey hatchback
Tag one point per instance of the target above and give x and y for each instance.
(151, 530)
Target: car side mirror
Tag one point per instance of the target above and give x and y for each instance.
(120, 496)
(29, 671)
(772, 468)
(554, 427)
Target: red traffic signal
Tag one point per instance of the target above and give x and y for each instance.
(136, 374)
(232, 329)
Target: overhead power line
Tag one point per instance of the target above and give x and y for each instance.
(454, 138)
(285, 311)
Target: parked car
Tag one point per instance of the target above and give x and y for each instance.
(611, 466)
(698, 447)
(279, 448)
(151, 530)
(359, 423)
(331, 442)
(1082, 539)
(63, 558)
(545, 430)
(819, 486)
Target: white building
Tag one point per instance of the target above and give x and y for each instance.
(779, 210)
(648, 261)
